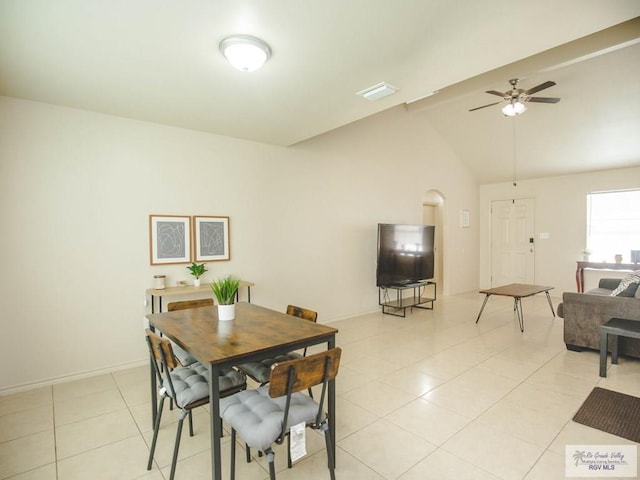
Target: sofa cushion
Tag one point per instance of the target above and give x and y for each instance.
(626, 283)
(609, 283)
(599, 291)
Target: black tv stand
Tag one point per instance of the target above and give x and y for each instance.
(401, 303)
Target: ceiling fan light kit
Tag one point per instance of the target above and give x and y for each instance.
(513, 108)
(244, 52)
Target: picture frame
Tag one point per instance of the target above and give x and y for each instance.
(169, 239)
(211, 238)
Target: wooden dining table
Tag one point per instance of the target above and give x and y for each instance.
(255, 333)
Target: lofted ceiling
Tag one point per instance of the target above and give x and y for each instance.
(158, 61)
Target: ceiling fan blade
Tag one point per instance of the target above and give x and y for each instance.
(543, 100)
(493, 92)
(484, 106)
(542, 86)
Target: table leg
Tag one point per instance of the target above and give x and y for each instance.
(482, 308)
(216, 424)
(614, 349)
(519, 312)
(550, 304)
(603, 354)
(580, 279)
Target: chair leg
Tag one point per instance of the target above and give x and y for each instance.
(177, 445)
(330, 458)
(271, 458)
(156, 428)
(248, 452)
(233, 454)
(190, 424)
(289, 465)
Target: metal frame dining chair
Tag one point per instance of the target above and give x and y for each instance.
(184, 357)
(188, 387)
(261, 370)
(264, 416)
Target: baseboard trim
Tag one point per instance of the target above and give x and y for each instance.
(71, 377)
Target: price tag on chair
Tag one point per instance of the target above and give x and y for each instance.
(298, 443)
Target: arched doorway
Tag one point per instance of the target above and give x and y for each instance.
(433, 214)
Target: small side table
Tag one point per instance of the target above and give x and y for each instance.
(617, 327)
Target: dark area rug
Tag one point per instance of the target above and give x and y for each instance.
(611, 412)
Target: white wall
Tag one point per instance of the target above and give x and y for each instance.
(76, 189)
(561, 211)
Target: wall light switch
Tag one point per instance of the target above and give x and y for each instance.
(544, 236)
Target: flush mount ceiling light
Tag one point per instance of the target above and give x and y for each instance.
(377, 91)
(244, 52)
(513, 108)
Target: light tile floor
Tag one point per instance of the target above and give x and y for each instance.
(430, 396)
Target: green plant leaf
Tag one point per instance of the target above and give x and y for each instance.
(197, 270)
(225, 290)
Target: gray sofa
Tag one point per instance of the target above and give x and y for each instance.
(583, 314)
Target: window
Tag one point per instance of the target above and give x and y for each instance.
(613, 224)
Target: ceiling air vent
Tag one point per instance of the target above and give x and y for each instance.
(377, 91)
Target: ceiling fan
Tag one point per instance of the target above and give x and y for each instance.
(516, 98)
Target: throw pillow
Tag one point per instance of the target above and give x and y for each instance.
(627, 282)
(630, 291)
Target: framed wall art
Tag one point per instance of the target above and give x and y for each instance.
(211, 238)
(169, 239)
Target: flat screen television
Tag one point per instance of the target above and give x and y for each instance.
(405, 254)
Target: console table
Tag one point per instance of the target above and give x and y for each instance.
(205, 288)
(600, 266)
(402, 303)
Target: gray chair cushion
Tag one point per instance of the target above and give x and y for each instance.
(258, 418)
(185, 358)
(192, 383)
(189, 385)
(261, 371)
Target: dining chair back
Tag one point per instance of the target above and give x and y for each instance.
(264, 416)
(184, 357)
(260, 371)
(302, 313)
(187, 387)
(185, 304)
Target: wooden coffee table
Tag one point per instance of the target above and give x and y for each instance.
(518, 291)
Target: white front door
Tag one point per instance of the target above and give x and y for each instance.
(512, 242)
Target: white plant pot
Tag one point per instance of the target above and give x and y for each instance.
(226, 312)
(196, 282)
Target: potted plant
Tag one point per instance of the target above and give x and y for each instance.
(225, 291)
(585, 254)
(197, 271)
